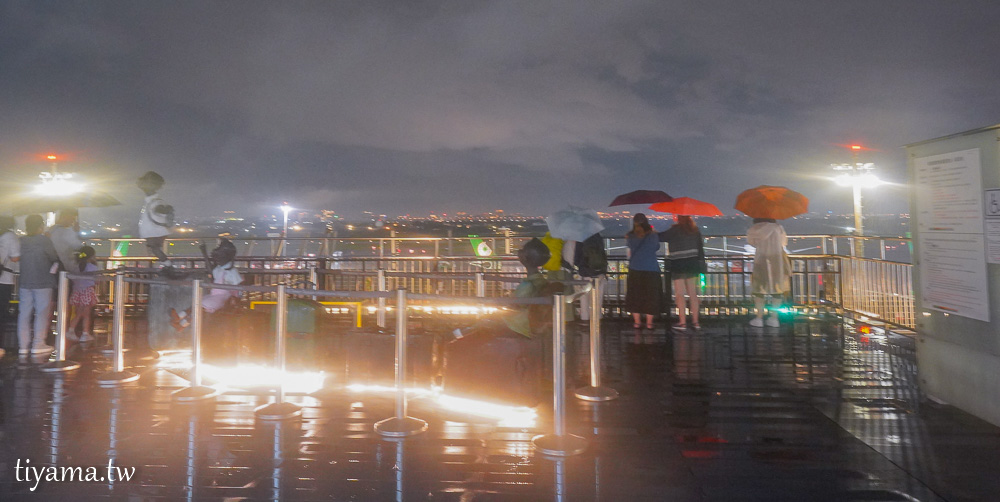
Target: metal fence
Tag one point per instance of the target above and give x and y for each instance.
(870, 276)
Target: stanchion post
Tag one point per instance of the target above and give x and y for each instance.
(480, 291)
(400, 425)
(118, 375)
(560, 443)
(595, 392)
(380, 312)
(62, 308)
(279, 410)
(314, 279)
(196, 391)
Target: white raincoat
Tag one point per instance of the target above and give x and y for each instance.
(771, 267)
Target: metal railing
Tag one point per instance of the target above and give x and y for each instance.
(867, 275)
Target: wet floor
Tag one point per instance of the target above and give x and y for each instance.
(810, 411)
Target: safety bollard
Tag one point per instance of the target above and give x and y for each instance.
(196, 391)
(279, 409)
(400, 425)
(380, 312)
(480, 291)
(62, 306)
(559, 443)
(118, 375)
(594, 392)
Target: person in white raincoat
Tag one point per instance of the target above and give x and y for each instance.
(771, 268)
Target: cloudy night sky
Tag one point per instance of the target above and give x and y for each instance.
(419, 106)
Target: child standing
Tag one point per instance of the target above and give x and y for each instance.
(156, 217)
(83, 296)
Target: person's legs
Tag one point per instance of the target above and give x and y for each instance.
(772, 320)
(43, 300)
(635, 320)
(5, 292)
(691, 285)
(155, 246)
(649, 321)
(25, 307)
(679, 285)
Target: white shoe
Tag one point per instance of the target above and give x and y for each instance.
(42, 349)
(772, 322)
(757, 322)
(71, 335)
(85, 337)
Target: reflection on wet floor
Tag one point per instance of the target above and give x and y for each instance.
(812, 411)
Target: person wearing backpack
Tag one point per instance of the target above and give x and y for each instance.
(156, 217)
(591, 261)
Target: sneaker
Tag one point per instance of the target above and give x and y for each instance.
(679, 327)
(71, 335)
(23, 352)
(757, 322)
(85, 337)
(772, 322)
(42, 349)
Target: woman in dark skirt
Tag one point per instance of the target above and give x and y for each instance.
(644, 290)
(685, 261)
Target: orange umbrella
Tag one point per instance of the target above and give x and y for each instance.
(772, 202)
(687, 206)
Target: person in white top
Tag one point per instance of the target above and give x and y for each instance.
(10, 254)
(156, 217)
(772, 270)
(224, 272)
(65, 236)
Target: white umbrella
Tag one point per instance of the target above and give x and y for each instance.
(574, 223)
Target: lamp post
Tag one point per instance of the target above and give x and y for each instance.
(285, 208)
(857, 175)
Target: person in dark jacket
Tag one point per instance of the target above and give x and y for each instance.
(685, 261)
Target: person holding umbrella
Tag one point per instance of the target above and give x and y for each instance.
(772, 270)
(643, 283)
(685, 262)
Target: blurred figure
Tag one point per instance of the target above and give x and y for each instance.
(10, 254)
(156, 217)
(38, 257)
(644, 292)
(223, 272)
(83, 295)
(685, 262)
(591, 261)
(772, 270)
(65, 235)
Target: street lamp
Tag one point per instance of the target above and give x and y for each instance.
(857, 175)
(285, 208)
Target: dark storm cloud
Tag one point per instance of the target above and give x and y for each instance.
(418, 106)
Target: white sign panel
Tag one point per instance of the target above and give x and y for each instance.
(993, 241)
(950, 228)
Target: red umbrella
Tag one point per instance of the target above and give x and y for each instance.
(772, 202)
(641, 197)
(687, 206)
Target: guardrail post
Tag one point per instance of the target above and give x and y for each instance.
(595, 392)
(559, 443)
(480, 291)
(279, 409)
(380, 311)
(196, 391)
(400, 425)
(118, 375)
(62, 309)
(314, 279)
